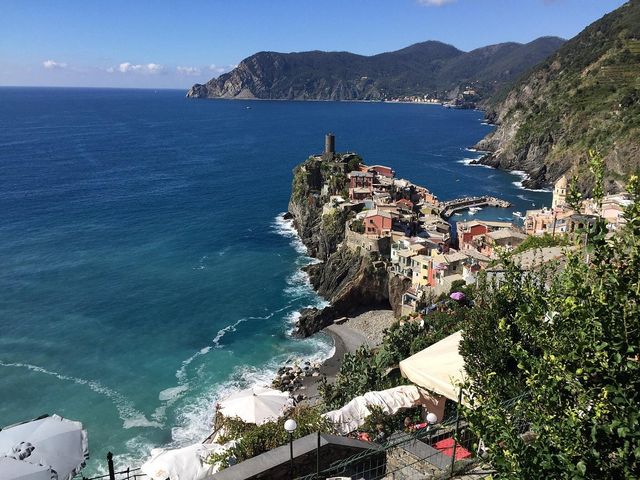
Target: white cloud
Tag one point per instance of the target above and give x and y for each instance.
(192, 71)
(52, 64)
(127, 67)
(435, 3)
(216, 68)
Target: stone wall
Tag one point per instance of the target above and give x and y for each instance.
(367, 244)
(415, 461)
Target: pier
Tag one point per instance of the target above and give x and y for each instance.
(450, 207)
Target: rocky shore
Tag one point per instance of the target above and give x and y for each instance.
(301, 378)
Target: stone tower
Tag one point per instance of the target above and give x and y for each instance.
(329, 145)
(560, 192)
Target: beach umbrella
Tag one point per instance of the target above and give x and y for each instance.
(52, 442)
(256, 405)
(457, 296)
(12, 469)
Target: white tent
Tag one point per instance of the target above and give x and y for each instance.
(188, 463)
(256, 405)
(53, 442)
(438, 368)
(353, 414)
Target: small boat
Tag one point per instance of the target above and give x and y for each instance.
(518, 214)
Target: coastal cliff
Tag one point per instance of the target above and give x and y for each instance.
(349, 280)
(584, 96)
(431, 68)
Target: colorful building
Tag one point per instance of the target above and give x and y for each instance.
(378, 223)
(360, 185)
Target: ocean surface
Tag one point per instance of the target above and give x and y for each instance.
(145, 269)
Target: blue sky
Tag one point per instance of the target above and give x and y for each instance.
(162, 43)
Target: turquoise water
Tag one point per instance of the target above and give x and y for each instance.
(146, 270)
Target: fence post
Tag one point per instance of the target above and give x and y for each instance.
(318, 457)
(112, 474)
(455, 435)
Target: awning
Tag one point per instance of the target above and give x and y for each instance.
(183, 463)
(438, 368)
(354, 414)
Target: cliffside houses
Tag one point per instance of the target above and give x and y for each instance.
(402, 223)
(561, 219)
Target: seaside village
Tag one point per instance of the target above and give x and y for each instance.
(286, 432)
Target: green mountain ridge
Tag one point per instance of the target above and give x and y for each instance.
(429, 68)
(586, 95)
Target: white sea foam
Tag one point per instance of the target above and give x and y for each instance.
(469, 162)
(130, 416)
(524, 176)
(194, 420)
(223, 331)
(286, 229)
(171, 394)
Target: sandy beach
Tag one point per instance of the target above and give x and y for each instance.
(364, 329)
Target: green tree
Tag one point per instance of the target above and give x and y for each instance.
(596, 166)
(555, 356)
(574, 196)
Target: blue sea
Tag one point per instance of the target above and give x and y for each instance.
(145, 268)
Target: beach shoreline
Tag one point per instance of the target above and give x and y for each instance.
(348, 336)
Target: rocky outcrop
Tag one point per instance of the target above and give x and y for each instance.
(428, 68)
(585, 96)
(351, 282)
(348, 280)
(398, 285)
(320, 233)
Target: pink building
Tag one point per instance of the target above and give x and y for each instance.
(378, 223)
(382, 170)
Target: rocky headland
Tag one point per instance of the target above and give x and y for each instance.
(429, 69)
(350, 281)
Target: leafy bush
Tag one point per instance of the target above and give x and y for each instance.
(252, 440)
(546, 240)
(368, 370)
(566, 347)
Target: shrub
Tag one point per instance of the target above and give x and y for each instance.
(564, 348)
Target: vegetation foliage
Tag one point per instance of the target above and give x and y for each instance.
(251, 440)
(541, 241)
(566, 347)
(367, 369)
(585, 95)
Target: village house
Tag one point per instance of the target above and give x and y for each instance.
(403, 264)
(611, 209)
(447, 265)
(405, 205)
(360, 185)
(422, 271)
(377, 223)
(468, 231)
(382, 171)
(505, 239)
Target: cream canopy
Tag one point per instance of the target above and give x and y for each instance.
(438, 368)
(256, 405)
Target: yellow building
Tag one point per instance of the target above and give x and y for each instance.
(560, 193)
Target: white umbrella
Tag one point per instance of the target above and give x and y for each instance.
(12, 469)
(188, 463)
(256, 405)
(53, 442)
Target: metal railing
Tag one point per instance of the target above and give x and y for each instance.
(128, 474)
